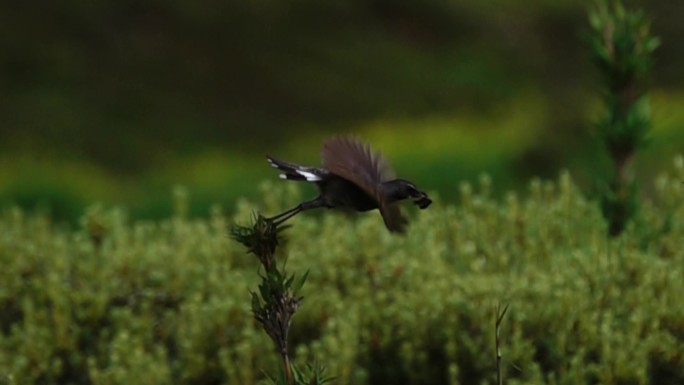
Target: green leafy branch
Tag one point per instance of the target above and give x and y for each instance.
(622, 48)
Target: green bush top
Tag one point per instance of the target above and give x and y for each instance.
(167, 302)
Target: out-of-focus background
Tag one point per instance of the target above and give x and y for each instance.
(118, 102)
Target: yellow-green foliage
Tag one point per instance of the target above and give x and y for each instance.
(168, 302)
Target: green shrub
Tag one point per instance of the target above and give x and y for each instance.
(164, 302)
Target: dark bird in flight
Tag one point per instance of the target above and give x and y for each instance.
(352, 177)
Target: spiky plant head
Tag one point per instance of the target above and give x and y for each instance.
(261, 238)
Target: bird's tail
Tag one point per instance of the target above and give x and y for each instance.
(291, 171)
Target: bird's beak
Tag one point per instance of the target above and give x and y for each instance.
(422, 200)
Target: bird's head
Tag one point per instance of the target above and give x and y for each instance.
(400, 189)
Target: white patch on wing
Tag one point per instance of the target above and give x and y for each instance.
(310, 177)
(282, 176)
(272, 163)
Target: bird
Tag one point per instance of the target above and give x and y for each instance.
(355, 177)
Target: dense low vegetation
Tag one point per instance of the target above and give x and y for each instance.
(114, 302)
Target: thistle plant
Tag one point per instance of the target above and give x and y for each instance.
(277, 299)
(622, 48)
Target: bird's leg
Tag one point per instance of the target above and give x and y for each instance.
(285, 215)
(282, 217)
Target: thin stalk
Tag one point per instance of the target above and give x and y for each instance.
(499, 319)
(288, 370)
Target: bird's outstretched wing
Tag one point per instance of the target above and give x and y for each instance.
(354, 161)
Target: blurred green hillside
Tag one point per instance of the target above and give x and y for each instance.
(120, 102)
